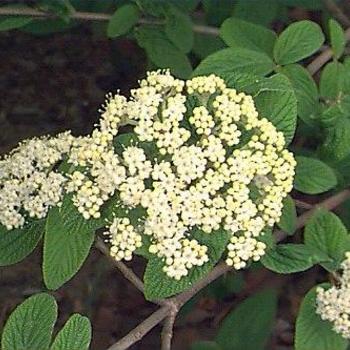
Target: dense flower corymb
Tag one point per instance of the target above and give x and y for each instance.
(333, 304)
(215, 165)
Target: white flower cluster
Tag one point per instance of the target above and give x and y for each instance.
(28, 184)
(123, 239)
(203, 179)
(216, 166)
(333, 304)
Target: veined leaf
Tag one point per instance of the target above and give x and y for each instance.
(299, 40)
(178, 28)
(75, 334)
(312, 176)
(238, 33)
(238, 59)
(289, 258)
(68, 239)
(249, 325)
(162, 52)
(337, 37)
(16, 244)
(30, 325)
(328, 238)
(305, 91)
(123, 20)
(288, 220)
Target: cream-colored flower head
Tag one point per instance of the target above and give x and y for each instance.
(219, 166)
(333, 304)
(202, 160)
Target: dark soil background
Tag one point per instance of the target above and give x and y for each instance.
(56, 82)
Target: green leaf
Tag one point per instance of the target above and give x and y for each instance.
(312, 332)
(75, 335)
(332, 80)
(230, 60)
(288, 258)
(158, 285)
(312, 176)
(326, 235)
(299, 40)
(347, 75)
(30, 325)
(337, 110)
(215, 14)
(16, 244)
(337, 37)
(336, 146)
(13, 22)
(205, 45)
(249, 325)
(305, 90)
(288, 220)
(48, 26)
(178, 28)
(67, 242)
(239, 33)
(61, 8)
(123, 20)
(277, 103)
(257, 11)
(205, 345)
(162, 52)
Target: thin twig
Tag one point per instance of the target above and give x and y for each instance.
(329, 204)
(91, 16)
(128, 273)
(168, 330)
(302, 204)
(141, 330)
(337, 12)
(324, 57)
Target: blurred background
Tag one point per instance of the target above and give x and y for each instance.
(54, 75)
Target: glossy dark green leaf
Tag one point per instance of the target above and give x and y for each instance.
(257, 11)
(178, 28)
(162, 52)
(123, 20)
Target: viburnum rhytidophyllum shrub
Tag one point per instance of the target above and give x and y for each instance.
(199, 161)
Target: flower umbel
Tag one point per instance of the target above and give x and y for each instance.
(333, 304)
(201, 160)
